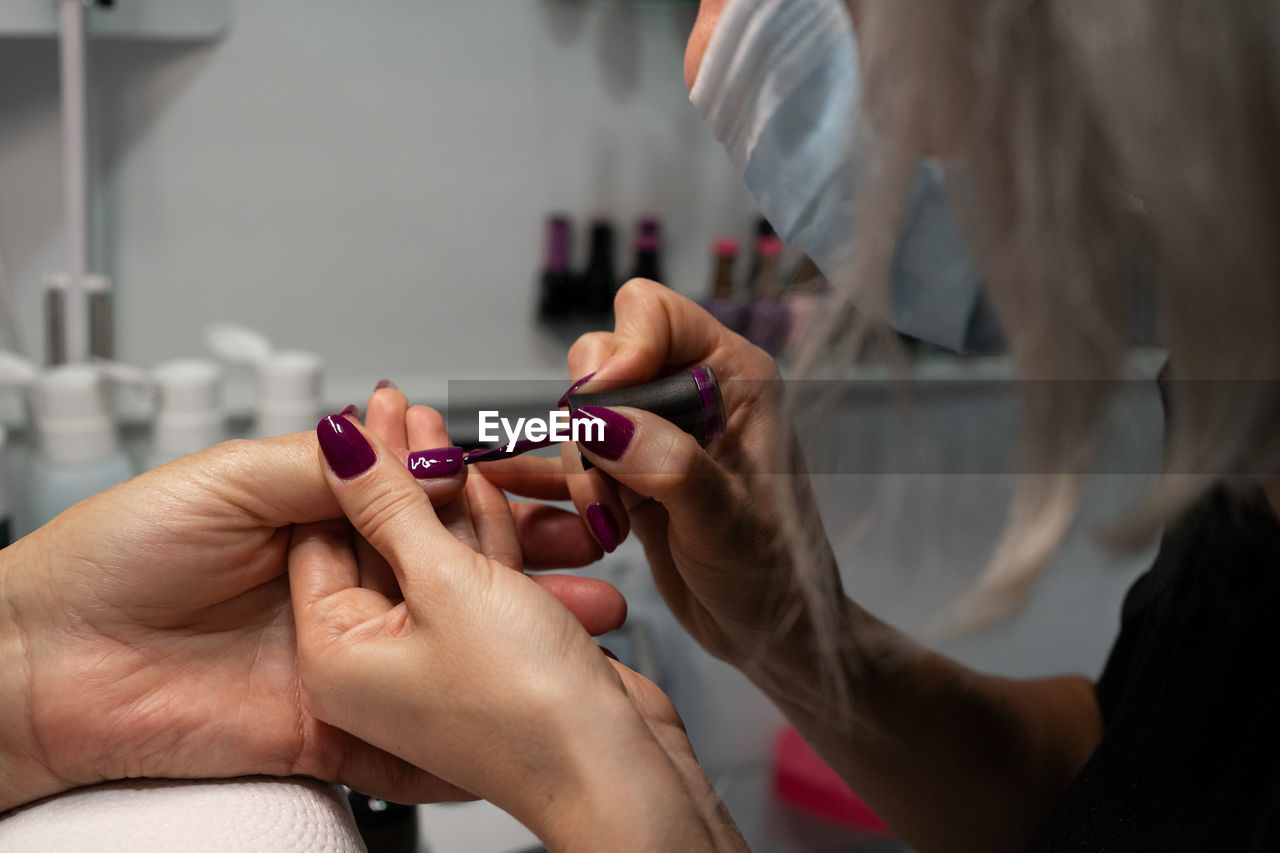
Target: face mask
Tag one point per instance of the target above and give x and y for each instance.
(779, 86)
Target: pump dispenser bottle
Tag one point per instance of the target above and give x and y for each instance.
(290, 400)
(289, 394)
(190, 415)
(80, 453)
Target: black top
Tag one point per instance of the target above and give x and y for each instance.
(1190, 755)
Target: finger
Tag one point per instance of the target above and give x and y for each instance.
(376, 573)
(232, 475)
(323, 583)
(321, 562)
(657, 328)
(595, 603)
(438, 467)
(387, 506)
(434, 462)
(385, 416)
(494, 525)
(597, 500)
(371, 771)
(586, 356)
(534, 477)
(658, 460)
(551, 538)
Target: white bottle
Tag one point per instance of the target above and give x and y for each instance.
(290, 399)
(289, 391)
(80, 453)
(190, 415)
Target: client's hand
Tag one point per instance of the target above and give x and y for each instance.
(147, 633)
(477, 673)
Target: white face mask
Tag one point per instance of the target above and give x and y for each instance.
(779, 86)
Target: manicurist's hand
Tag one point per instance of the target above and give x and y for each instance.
(707, 516)
(546, 537)
(477, 673)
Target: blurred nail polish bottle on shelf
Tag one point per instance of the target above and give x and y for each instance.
(722, 303)
(557, 293)
(763, 229)
(599, 279)
(648, 248)
(766, 322)
(803, 302)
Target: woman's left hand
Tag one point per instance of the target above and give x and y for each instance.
(147, 632)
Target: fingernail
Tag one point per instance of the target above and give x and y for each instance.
(350, 409)
(348, 453)
(618, 430)
(603, 525)
(385, 383)
(437, 463)
(564, 398)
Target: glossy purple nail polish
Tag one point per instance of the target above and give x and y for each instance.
(350, 409)
(348, 453)
(435, 464)
(385, 383)
(618, 431)
(564, 398)
(603, 525)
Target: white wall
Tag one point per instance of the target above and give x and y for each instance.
(367, 180)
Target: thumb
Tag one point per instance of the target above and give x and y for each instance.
(385, 504)
(658, 460)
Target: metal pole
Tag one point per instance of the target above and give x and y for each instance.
(75, 176)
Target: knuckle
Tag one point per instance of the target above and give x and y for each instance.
(378, 518)
(428, 418)
(586, 347)
(679, 463)
(635, 294)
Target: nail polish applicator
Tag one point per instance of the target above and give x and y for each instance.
(689, 399)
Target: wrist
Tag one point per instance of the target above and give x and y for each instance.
(821, 667)
(23, 776)
(621, 792)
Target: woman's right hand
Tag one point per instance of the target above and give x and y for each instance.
(707, 516)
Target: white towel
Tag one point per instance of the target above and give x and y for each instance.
(150, 816)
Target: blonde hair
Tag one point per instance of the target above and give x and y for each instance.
(1100, 135)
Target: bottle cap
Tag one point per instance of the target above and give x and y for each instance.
(769, 246)
(725, 247)
(71, 415)
(189, 385)
(189, 415)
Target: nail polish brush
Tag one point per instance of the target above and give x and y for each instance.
(689, 399)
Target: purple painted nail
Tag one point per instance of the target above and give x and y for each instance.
(348, 453)
(564, 398)
(385, 383)
(603, 525)
(611, 441)
(435, 464)
(350, 409)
